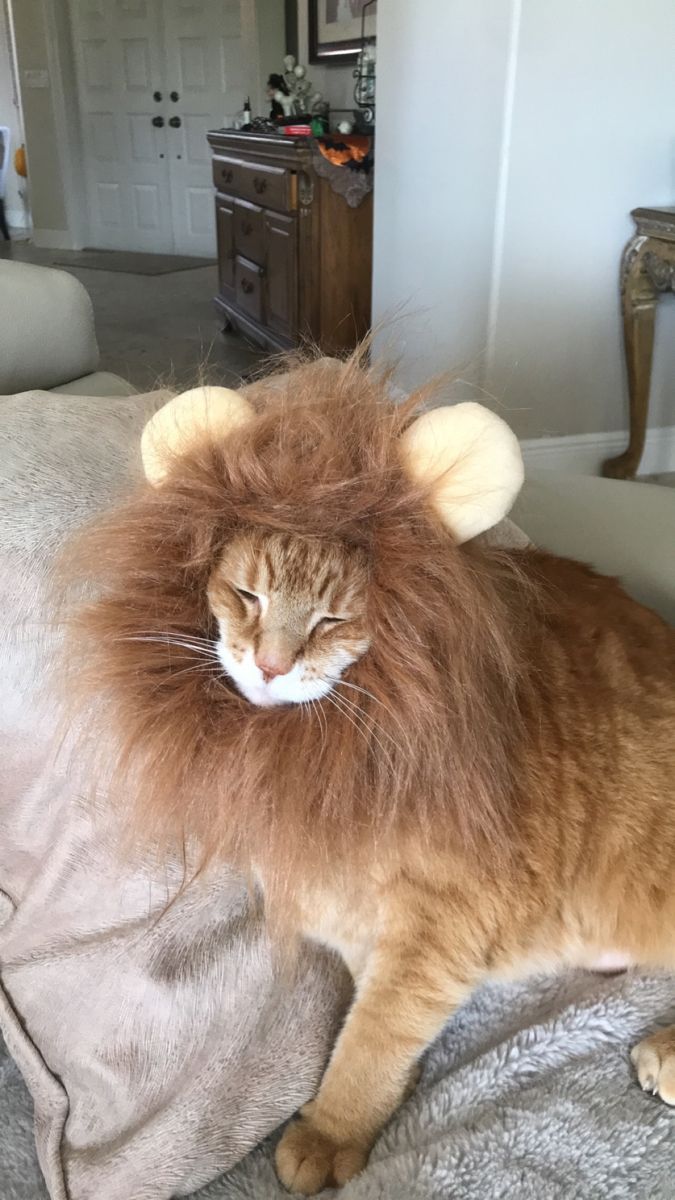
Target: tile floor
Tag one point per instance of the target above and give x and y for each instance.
(156, 329)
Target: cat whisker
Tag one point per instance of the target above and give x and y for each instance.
(333, 700)
(171, 635)
(203, 668)
(204, 651)
(355, 687)
(366, 730)
(373, 727)
(323, 725)
(365, 716)
(360, 723)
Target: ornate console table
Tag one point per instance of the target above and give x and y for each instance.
(647, 269)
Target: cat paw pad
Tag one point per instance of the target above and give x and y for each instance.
(307, 1160)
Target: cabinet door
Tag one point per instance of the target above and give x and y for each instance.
(248, 278)
(225, 232)
(281, 273)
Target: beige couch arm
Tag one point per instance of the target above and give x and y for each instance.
(622, 529)
(46, 328)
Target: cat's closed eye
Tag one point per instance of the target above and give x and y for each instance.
(326, 622)
(245, 595)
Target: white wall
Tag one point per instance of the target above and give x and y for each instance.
(271, 20)
(47, 85)
(16, 208)
(506, 215)
(441, 76)
(335, 82)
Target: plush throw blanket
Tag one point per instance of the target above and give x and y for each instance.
(159, 1046)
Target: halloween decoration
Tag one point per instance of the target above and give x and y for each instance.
(292, 94)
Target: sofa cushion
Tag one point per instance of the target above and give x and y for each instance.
(46, 328)
(99, 383)
(621, 528)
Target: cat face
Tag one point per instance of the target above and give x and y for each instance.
(291, 615)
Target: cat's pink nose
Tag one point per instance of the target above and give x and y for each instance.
(272, 665)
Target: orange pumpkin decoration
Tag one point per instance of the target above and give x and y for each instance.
(20, 161)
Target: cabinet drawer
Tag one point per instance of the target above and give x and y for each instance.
(269, 186)
(248, 285)
(225, 175)
(248, 230)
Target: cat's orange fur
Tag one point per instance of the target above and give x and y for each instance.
(503, 802)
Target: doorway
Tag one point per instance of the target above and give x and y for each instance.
(152, 77)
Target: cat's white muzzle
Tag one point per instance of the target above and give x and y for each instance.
(292, 688)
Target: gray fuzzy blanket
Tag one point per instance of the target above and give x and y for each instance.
(528, 1093)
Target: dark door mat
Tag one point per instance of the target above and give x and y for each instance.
(129, 262)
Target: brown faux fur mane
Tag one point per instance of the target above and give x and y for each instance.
(276, 785)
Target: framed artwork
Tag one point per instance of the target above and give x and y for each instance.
(291, 26)
(335, 29)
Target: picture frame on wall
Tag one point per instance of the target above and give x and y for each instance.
(291, 26)
(335, 29)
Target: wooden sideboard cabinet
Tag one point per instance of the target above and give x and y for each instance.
(294, 260)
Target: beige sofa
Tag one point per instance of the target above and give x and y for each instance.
(47, 336)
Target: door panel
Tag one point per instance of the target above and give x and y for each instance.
(136, 65)
(281, 302)
(118, 52)
(109, 205)
(205, 56)
(146, 205)
(150, 188)
(199, 212)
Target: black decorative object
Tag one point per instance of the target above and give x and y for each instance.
(334, 36)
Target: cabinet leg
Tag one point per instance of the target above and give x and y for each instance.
(227, 326)
(639, 298)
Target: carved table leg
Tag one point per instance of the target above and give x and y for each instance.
(639, 297)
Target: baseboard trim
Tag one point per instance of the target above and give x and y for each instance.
(585, 453)
(54, 239)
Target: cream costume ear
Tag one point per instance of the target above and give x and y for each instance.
(203, 412)
(472, 462)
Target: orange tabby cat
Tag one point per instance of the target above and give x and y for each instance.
(451, 763)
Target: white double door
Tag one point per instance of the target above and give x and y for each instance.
(153, 76)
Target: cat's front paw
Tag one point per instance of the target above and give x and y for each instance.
(308, 1160)
(654, 1061)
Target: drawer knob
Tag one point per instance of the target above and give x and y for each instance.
(227, 176)
(260, 185)
(247, 287)
(246, 228)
